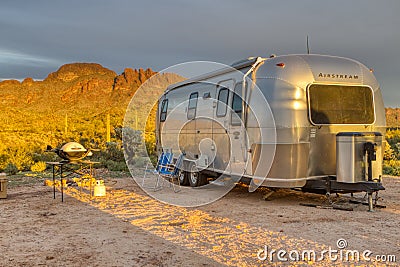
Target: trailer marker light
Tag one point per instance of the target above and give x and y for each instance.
(282, 65)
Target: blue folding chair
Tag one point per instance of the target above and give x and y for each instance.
(172, 173)
(163, 164)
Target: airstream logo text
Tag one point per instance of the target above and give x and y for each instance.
(337, 76)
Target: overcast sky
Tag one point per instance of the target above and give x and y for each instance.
(39, 36)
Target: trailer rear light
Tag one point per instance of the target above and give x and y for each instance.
(282, 65)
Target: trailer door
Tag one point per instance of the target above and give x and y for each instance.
(220, 127)
(237, 132)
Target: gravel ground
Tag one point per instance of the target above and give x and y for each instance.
(129, 228)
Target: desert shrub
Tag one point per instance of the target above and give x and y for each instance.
(39, 166)
(388, 154)
(391, 156)
(153, 159)
(3, 161)
(11, 169)
(133, 142)
(150, 132)
(112, 152)
(45, 156)
(388, 170)
(21, 157)
(391, 167)
(115, 165)
(392, 150)
(140, 162)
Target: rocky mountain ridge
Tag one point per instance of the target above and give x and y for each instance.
(90, 85)
(77, 83)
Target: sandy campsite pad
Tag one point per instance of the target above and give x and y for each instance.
(129, 228)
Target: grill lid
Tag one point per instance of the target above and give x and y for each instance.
(73, 151)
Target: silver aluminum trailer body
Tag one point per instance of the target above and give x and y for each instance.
(312, 99)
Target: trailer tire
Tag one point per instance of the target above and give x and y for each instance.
(195, 177)
(184, 178)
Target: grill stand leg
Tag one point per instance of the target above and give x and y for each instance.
(54, 184)
(370, 202)
(62, 188)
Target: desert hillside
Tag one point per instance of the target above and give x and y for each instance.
(70, 104)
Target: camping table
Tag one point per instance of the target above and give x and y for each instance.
(66, 168)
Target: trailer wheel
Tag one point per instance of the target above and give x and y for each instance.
(195, 178)
(184, 178)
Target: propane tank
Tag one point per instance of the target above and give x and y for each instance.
(99, 189)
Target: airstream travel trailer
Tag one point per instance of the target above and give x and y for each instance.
(313, 122)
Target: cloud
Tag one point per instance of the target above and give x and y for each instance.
(18, 58)
(38, 36)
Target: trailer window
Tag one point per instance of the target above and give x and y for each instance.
(339, 104)
(223, 96)
(164, 108)
(237, 105)
(192, 106)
